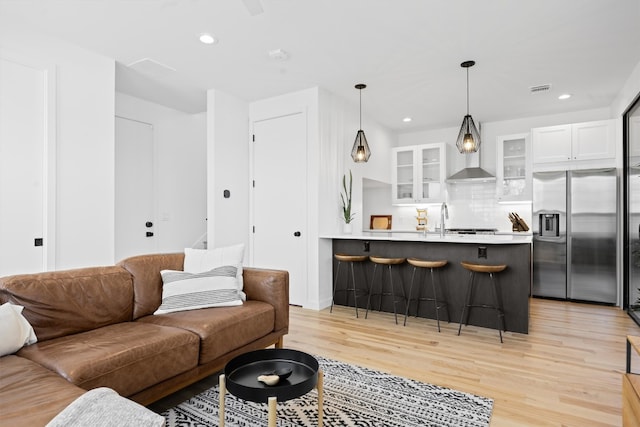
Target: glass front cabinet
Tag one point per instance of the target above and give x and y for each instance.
(513, 167)
(418, 173)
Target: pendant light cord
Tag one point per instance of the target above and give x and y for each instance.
(361, 107)
(467, 91)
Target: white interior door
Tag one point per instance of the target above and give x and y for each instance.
(134, 190)
(280, 199)
(23, 139)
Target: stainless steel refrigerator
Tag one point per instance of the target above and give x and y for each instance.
(574, 235)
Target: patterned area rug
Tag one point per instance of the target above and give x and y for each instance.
(353, 396)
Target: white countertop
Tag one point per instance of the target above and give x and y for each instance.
(419, 236)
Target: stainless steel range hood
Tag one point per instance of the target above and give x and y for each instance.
(472, 172)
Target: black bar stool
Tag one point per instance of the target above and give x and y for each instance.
(351, 259)
(497, 303)
(431, 265)
(385, 262)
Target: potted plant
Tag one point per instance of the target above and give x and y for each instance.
(347, 215)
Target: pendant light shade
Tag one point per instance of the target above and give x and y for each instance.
(468, 138)
(360, 152)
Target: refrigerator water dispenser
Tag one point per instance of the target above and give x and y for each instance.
(549, 225)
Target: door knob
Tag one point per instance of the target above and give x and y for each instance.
(297, 234)
(149, 234)
(148, 224)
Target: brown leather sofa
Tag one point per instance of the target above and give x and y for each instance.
(96, 328)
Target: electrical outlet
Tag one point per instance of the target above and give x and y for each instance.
(482, 251)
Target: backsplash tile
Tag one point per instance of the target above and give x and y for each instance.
(470, 205)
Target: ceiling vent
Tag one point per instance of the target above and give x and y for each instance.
(152, 68)
(539, 89)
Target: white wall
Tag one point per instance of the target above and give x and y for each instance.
(228, 169)
(627, 94)
(85, 146)
(339, 124)
(180, 173)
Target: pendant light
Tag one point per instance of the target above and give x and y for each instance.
(468, 138)
(360, 152)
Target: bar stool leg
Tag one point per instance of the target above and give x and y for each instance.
(406, 313)
(467, 303)
(393, 294)
(335, 286)
(424, 277)
(373, 278)
(355, 297)
(498, 303)
(435, 298)
(445, 300)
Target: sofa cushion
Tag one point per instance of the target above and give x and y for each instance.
(60, 303)
(221, 329)
(31, 395)
(127, 357)
(147, 282)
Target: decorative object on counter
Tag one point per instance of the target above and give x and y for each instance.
(422, 219)
(518, 223)
(347, 215)
(380, 222)
(468, 138)
(360, 152)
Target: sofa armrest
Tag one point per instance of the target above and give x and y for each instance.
(270, 286)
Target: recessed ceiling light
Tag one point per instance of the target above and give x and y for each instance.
(207, 38)
(278, 55)
(406, 119)
(565, 96)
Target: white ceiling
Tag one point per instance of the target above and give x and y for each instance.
(408, 52)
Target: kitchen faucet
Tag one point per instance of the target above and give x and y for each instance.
(444, 213)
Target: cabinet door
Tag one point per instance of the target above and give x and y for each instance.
(513, 167)
(551, 144)
(404, 175)
(430, 172)
(593, 140)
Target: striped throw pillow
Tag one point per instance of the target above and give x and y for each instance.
(191, 291)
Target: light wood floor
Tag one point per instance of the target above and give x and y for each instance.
(565, 372)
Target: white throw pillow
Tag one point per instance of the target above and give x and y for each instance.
(15, 330)
(200, 260)
(190, 291)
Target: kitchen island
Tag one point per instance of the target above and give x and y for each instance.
(514, 283)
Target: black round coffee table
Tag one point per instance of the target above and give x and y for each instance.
(241, 374)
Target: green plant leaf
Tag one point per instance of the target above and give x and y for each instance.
(346, 198)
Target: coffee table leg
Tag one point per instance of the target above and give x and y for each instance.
(320, 387)
(223, 391)
(272, 411)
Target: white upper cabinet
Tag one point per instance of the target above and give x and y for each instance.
(513, 167)
(418, 173)
(551, 144)
(574, 146)
(593, 140)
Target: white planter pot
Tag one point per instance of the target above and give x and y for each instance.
(346, 228)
